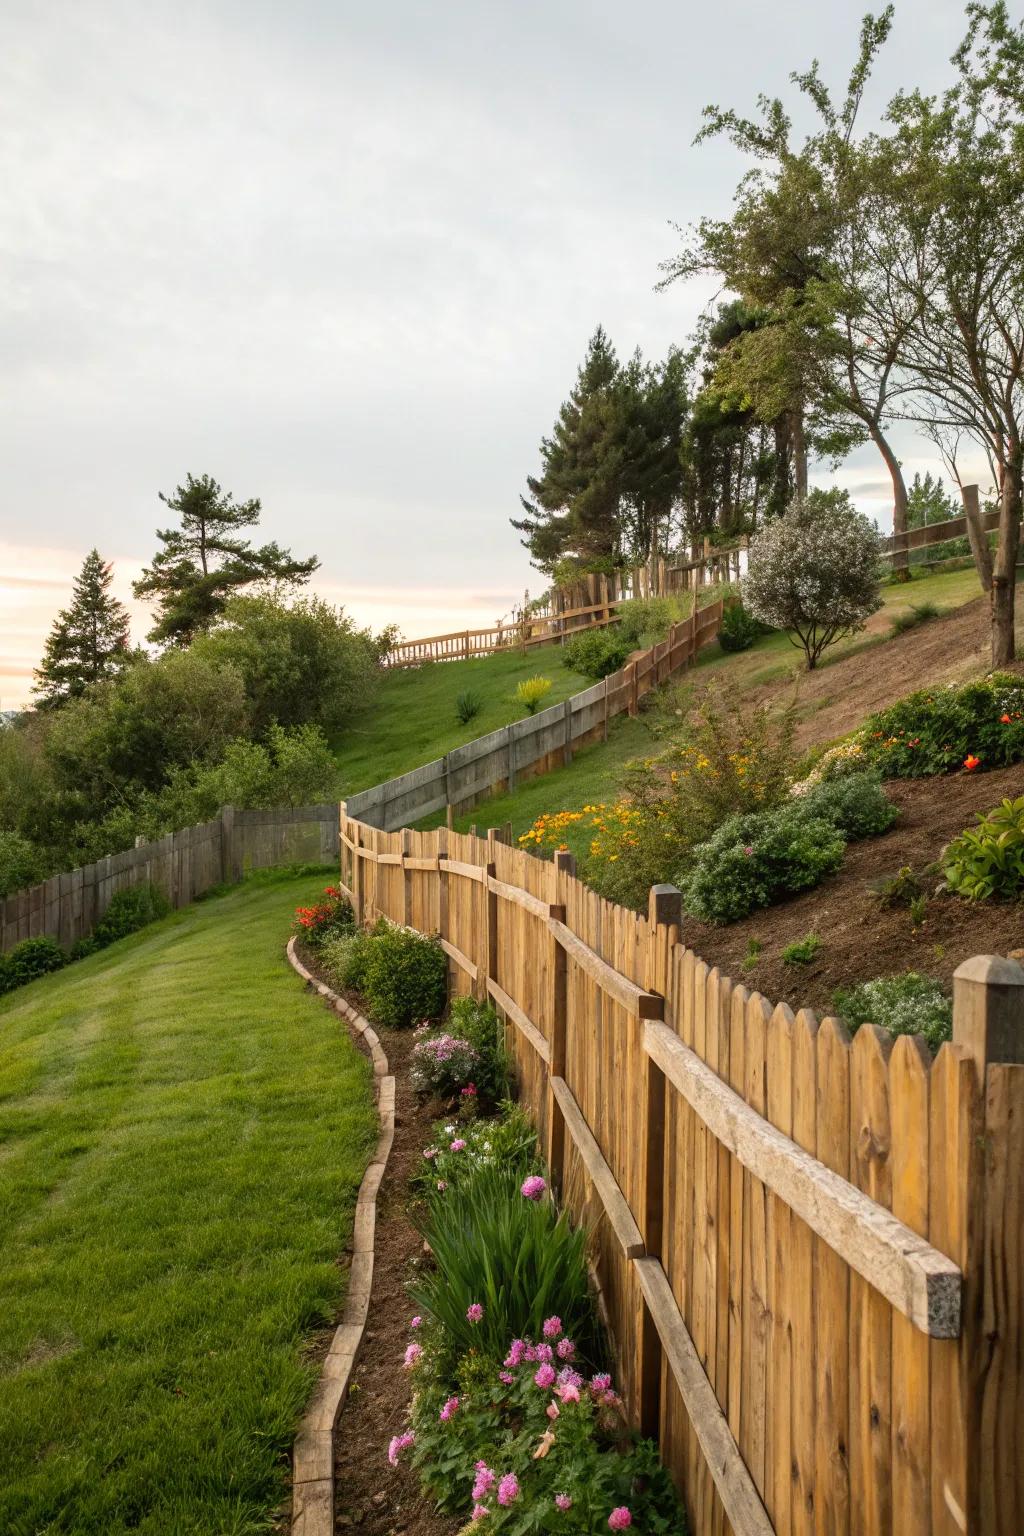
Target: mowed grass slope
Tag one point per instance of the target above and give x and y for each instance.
(413, 720)
(183, 1130)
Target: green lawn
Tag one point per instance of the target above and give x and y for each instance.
(595, 774)
(412, 720)
(183, 1130)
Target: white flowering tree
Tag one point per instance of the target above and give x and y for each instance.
(815, 572)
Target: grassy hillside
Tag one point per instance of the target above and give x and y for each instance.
(413, 718)
(765, 670)
(182, 1135)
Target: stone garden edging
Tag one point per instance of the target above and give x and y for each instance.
(313, 1452)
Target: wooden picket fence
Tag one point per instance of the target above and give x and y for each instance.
(811, 1251)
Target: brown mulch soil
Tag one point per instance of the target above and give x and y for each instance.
(370, 1496)
(859, 939)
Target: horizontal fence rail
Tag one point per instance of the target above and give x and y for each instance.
(183, 865)
(810, 1248)
(501, 759)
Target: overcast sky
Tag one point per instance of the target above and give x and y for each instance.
(347, 258)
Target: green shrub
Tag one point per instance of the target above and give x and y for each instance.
(329, 918)
(856, 804)
(899, 890)
(988, 860)
(530, 692)
(404, 976)
(478, 1024)
(29, 959)
(343, 959)
(937, 730)
(644, 618)
(908, 1004)
(81, 949)
(754, 860)
(129, 911)
(516, 1257)
(596, 652)
(739, 629)
(802, 951)
(910, 618)
(467, 706)
(21, 863)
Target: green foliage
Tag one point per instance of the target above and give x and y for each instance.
(507, 1142)
(755, 948)
(855, 803)
(530, 692)
(88, 642)
(128, 911)
(204, 562)
(898, 890)
(478, 1024)
(815, 572)
(910, 618)
(467, 706)
(928, 501)
(29, 959)
(329, 918)
(517, 1258)
(596, 653)
(344, 958)
(738, 629)
(645, 618)
(754, 860)
(988, 860)
(21, 863)
(937, 729)
(908, 1004)
(404, 976)
(301, 663)
(801, 951)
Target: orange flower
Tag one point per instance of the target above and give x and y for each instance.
(971, 762)
(1004, 719)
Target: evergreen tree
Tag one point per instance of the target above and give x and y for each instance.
(88, 642)
(927, 502)
(204, 562)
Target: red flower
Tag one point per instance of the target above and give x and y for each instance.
(1004, 719)
(971, 762)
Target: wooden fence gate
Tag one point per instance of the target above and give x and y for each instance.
(810, 1249)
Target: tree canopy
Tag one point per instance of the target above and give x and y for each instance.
(89, 641)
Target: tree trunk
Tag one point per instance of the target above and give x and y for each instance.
(1004, 567)
(799, 442)
(900, 557)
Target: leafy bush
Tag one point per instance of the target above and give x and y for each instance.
(596, 652)
(21, 863)
(467, 706)
(909, 1004)
(644, 618)
(344, 957)
(815, 571)
(478, 1024)
(834, 763)
(988, 860)
(802, 951)
(404, 976)
(898, 890)
(939, 729)
(516, 1257)
(530, 692)
(754, 860)
(82, 948)
(129, 911)
(856, 804)
(29, 959)
(739, 628)
(329, 918)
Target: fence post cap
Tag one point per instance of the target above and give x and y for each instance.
(988, 1010)
(665, 905)
(991, 971)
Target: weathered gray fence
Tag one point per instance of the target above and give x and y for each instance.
(496, 762)
(183, 865)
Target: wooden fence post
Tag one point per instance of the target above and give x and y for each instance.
(986, 1480)
(406, 879)
(634, 697)
(563, 866)
(664, 912)
(490, 968)
(358, 875)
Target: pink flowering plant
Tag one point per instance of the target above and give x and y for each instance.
(442, 1065)
(506, 1141)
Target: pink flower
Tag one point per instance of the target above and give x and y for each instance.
(748, 850)
(569, 1393)
(412, 1354)
(474, 1313)
(601, 1382)
(544, 1375)
(430, 1153)
(565, 1349)
(416, 1322)
(485, 1481)
(563, 1502)
(508, 1488)
(543, 1352)
(516, 1354)
(552, 1410)
(567, 1377)
(533, 1187)
(458, 1145)
(552, 1327)
(449, 1410)
(507, 1377)
(441, 1186)
(619, 1518)
(399, 1443)
(469, 1092)
(530, 1352)
(480, 1512)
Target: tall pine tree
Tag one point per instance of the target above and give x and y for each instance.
(88, 642)
(204, 562)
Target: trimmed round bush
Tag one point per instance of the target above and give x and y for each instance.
(29, 959)
(739, 629)
(754, 860)
(404, 976)
(856, 804)
(597, 652)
